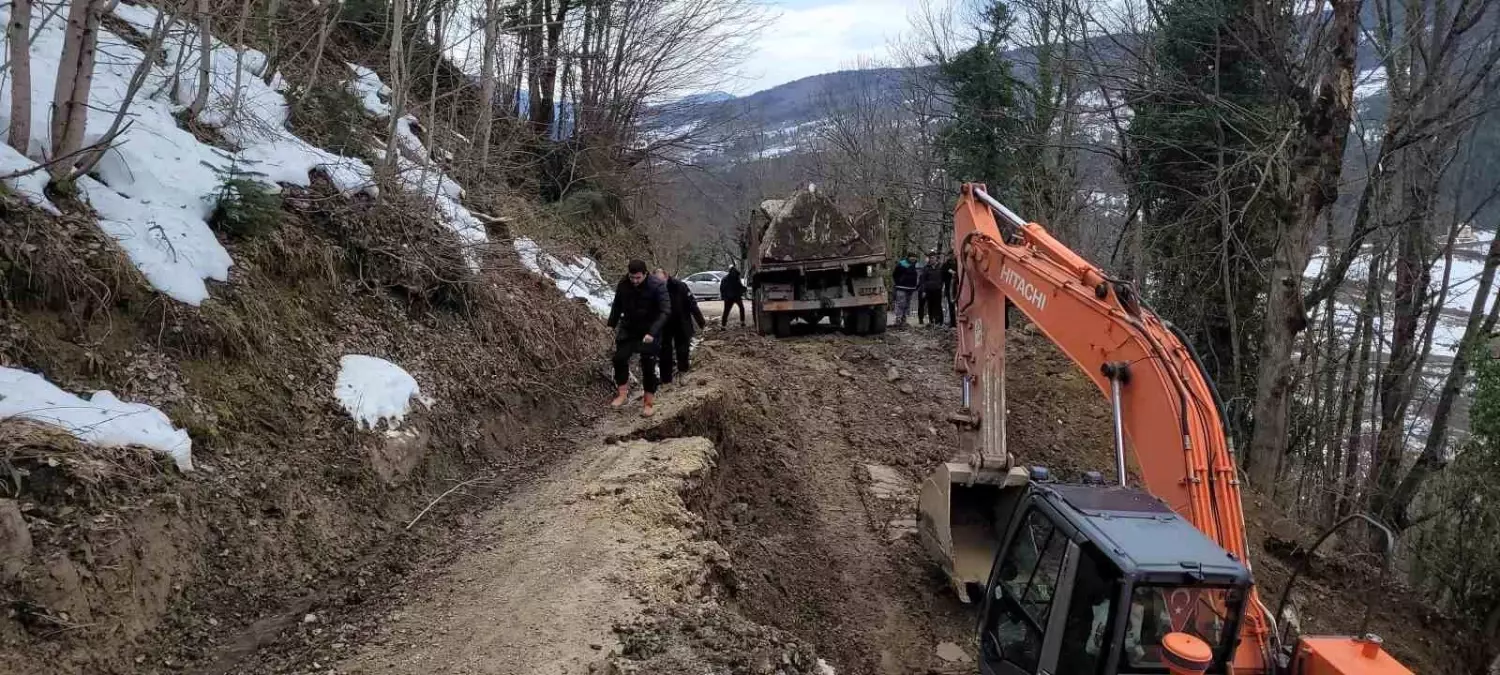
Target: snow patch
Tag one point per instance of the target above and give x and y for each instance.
(30, 186)
(102, 420)
(157, 184)
(1368, 83)
(374, 390)
(578, 279)
(368, 87)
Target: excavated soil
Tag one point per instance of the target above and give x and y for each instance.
(815, 497)
(762, 522)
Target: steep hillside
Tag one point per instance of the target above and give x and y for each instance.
(241, 374)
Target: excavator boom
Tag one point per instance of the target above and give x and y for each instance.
(1166, 413)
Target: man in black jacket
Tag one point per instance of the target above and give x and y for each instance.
(732, 292)
(639, 312)
(950, 288)
(904, 278)
(930, 288)
(677, 336)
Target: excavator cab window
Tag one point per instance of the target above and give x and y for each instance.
(1155, 610)
(1018, 607)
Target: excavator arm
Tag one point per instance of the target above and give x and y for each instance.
(1166, 413)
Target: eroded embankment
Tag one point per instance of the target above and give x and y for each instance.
(113, 562)
(600, 566)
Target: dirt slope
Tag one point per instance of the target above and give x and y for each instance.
(762, 523)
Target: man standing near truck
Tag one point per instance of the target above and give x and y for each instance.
(930, 285)
(639, 312)
(677, 335)
(732, 292)
(904, 277)
(950, 288)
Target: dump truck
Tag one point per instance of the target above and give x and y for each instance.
(810, 261)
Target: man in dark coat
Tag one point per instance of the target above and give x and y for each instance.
(639, 312)
(677, 336)
(930, 288)
(904, 278)
(950, 288)
(732, 292)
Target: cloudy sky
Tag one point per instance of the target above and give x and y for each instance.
(809, 37)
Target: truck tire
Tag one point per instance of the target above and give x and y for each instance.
(862, 317)
(783, 324)
(836, 319)
(762, 320)
(877, 319)
(851, 317)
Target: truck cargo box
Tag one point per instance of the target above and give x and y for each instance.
(808, 226)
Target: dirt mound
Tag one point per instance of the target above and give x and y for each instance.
(135, 568)
(814, 495)
(689, 640)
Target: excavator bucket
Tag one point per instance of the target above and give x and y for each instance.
(963, 516)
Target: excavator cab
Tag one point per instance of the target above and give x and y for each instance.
(1095, 579)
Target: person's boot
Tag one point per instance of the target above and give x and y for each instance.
(621, 396)
(648, 407)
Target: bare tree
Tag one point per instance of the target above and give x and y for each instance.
(18, 36)
(397, 66)
(1323, 93)
(75, 78)
(205, 58)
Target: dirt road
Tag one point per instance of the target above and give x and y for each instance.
(763, 522)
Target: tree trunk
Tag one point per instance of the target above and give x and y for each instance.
(1434, 453)
(1407, 300)
(487, 84)
(1365, 338)
(398, 88)
(159, 28)
(205, 59)
(18, 36)
(1325, 117)
(333, 19)
(239, 61)
(273, 55)
(74, 80)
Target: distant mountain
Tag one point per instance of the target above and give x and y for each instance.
(783, 116)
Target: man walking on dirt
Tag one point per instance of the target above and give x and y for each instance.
(950, 288)
(677, 336)
(930, 285)
(639, 312)
(904, 277)
(732, 292)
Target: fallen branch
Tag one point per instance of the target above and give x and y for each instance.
(440, 498)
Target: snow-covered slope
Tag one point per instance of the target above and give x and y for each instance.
(579, 279)
(157, 184)
(101, 419)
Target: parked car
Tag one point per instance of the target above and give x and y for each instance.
(705, 285)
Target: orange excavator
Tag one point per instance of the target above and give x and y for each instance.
(1093, 578)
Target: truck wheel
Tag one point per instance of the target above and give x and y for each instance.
(862, 322)
(850, 318)
(783, 324)
(877, 319)
(836, 319)
(762, 320)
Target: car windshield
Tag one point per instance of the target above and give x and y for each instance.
(1201, 611)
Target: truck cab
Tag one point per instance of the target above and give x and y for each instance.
(1091, 579)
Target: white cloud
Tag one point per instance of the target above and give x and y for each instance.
(812, 37)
